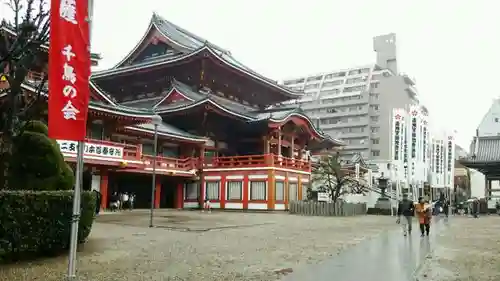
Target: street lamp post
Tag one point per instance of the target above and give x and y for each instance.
(156, 120)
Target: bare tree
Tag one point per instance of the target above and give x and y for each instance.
(23, 48)
(330, 177)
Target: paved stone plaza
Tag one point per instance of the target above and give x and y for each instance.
(468, 250)
(193, 246)
(248, 246)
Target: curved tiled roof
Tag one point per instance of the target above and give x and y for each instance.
(192, 45)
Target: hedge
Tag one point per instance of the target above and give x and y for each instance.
(379, 211)
(38, 223)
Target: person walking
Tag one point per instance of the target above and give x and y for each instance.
(406, 208)
(131, 200)
(424, 214)
(98, 198)
(125, 201)
(475, 208)
(446, 207)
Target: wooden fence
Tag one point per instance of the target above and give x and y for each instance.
(311, 208)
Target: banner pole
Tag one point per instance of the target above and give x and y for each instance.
(76, 213)
(78, 181)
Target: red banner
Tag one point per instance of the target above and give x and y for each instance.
(69, 69)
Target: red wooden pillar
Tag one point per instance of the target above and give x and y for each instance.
(158, 192)
(104, 189)
(222, 191)
(245, 192)
(201, 199)
(179, 196)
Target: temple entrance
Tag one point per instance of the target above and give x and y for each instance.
(137, 184)
(87, 180)
(169, 191)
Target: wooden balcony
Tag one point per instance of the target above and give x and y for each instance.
(129, 158)
(168, 165)
(266, 160)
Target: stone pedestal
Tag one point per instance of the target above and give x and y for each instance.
(383, 203)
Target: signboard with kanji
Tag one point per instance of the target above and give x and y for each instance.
(92, 149)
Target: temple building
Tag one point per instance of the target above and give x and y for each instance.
(220, 138)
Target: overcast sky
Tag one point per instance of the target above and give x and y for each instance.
(451, 47)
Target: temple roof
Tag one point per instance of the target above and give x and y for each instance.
(191, 45)
(247, 113)
(484, 156)
(135, 112)
(167, 131)
(101, 106)
(483, 150)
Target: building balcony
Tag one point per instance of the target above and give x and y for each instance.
(409, 80)
(129, 158)
(172, 166)
(265, 161)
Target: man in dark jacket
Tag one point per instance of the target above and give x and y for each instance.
(406, 208)
(98, 201)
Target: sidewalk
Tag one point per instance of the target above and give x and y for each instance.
(388, 257)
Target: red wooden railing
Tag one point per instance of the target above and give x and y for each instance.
(134, 152)
(291, 163)
(266, 160)
(238, 161)
(185, 164)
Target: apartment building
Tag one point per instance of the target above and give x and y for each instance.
(356, 104)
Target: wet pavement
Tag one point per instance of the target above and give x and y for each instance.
(390, 256)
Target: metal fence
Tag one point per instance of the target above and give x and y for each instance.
(311, 208)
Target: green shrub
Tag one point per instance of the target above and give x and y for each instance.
(38, 223)
(37, 162)
(36, 127)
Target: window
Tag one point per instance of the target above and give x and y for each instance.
(374, 96)
(213, 188)
(374, 118)
(374, 85)
(354, 80)
(172, 152)
(293, 192)
(375, 129)
(258, 190)
(96, 131)
(305, 188)
(374, 107)
(331, 110)
(234, 190)
(192, 190)
(354, 72)
(354, 89)
(375, 152)
(333, 75)
(311, 86)
(280, 191)
(496, 120)
(330, 92)
(375, 141)
(147, 149)
(333, 83)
